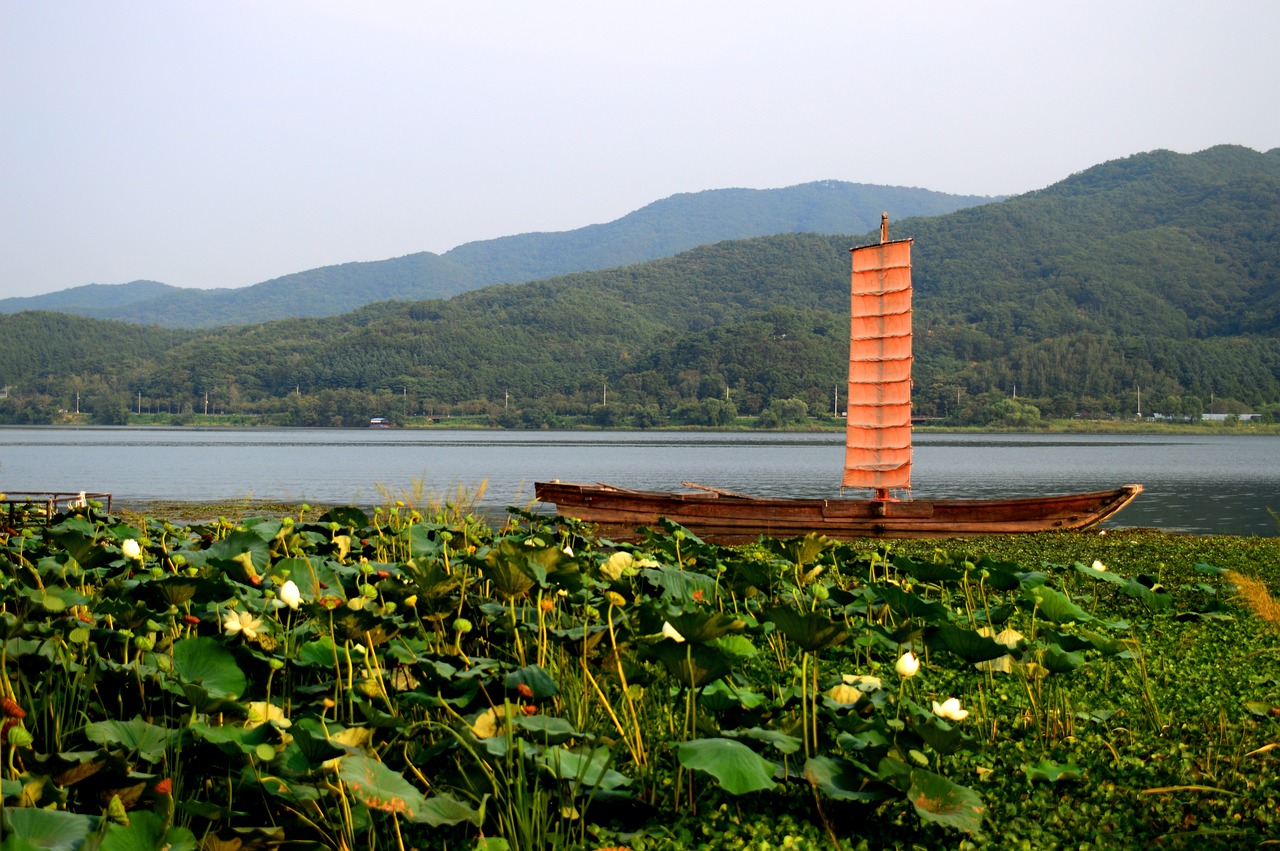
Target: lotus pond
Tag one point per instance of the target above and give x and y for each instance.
(422, 679)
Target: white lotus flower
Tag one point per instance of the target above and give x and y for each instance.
(671, 632)
(908, 665)
(242, 622)
(290, 595)
(131, 548)
(1099, 566)
(950, 710)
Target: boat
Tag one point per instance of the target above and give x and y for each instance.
(878, 453)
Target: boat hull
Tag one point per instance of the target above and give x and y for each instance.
(731, 518)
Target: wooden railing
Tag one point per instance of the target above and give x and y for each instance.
(21, 508)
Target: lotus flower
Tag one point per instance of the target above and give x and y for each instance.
(241, 622)
(131, 548)
(671, 632)
(261, 712)
(908, 665)
(950, 710)
(290, 595)
(1099, 566)
(617, 564)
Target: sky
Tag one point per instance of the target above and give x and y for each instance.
(221, 144)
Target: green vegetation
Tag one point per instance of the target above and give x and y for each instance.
(660, 229)
(1156, 276)
(419, 679)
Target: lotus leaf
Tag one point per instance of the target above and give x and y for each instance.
(511, 570)
(841, 779)
(781, 742)
(1152, 594)
(243, 554)
(49, 830)
(379, 788)
(705, 627)
(206, 663)
(538, 681)
(692, 665)
(547, 729)
(926, 571)
(1048, 771)
(347, 516)
(590, 768)
(965, 643)
(680, 586)
(722, 695)
(736, 767)
(1103, 575)
(137, 736)
(811, 631)
(911, 606)
(1055, 606)
(942, 736)
(939, 800)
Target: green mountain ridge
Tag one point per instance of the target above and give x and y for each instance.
(659, 229)
(1159, 272)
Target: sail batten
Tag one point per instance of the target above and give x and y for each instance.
(878, 422)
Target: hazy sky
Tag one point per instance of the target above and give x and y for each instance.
(225, 143)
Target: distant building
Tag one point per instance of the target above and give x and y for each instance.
(1222, 418)
(379, 422)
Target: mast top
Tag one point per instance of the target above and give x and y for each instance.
(884, 227)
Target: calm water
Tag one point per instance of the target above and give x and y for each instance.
(1198, 483)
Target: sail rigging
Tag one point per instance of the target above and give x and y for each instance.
(878, 422)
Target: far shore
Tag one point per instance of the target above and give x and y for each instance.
(743, 424)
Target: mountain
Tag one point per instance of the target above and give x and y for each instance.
(1160, 271)
(89, 298)
(660, 229)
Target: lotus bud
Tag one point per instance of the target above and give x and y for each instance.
(131, 548)
(290, 595)
(908, 665)
(116, 811)
(145, 643)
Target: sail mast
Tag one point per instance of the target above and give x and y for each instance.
(878, 423)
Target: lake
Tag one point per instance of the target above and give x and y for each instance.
(1194, 483)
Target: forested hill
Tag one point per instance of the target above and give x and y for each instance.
(1159, 271)
(660, 229)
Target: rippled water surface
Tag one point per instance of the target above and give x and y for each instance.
(1200, 483)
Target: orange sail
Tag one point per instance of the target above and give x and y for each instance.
(878, 425)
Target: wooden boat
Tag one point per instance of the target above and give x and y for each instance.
(877, 453)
